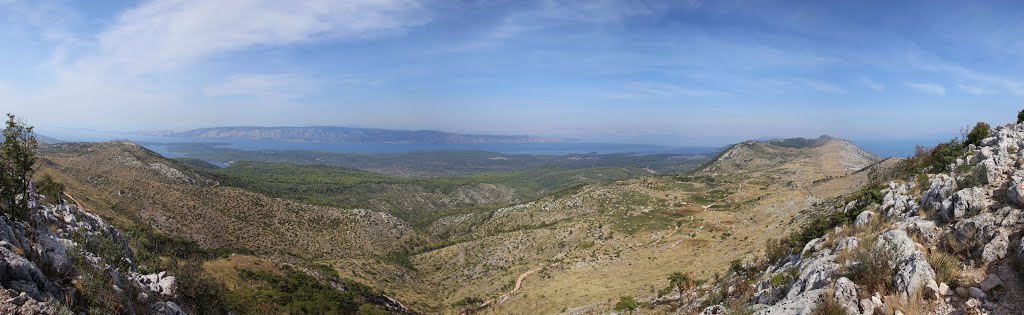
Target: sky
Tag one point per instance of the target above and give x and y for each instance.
(663, 72)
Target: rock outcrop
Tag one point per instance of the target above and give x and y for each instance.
(972, 211)
(43, 257)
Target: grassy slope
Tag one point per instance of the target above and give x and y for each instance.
(416, 200)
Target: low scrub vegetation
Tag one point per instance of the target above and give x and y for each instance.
(874, 267)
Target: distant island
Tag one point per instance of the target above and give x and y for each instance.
(348, 135)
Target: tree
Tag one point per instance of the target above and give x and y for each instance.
(19, 159)
(1020, 116)
(682, 282)
(979, 132)
(49, 189)
(627, 304)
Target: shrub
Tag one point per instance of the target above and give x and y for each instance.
(829, 306)
(626, 303)
(49, 189)
(1020, 116)
(946, 266)
(874, 268)
(945, 154)
(198, 293)
(979, 132)
(369, 309)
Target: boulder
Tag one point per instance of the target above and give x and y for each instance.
(991, 282)
(864, 218)
(996, 248)
(1015, 192)
(814, 274)
(898, 241)
(915, 276)
(845, 244)
(970, 200)
(845, 294)
(940, 187)
(976, 293)
(802, 304)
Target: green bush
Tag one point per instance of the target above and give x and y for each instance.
(626, 304)
(874, 268)
(295, 292)
(945, 154)
(1020, 116)
(979, 132)
(50, 189)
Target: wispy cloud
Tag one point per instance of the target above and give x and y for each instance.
(931, 88)
(824, 87)
(553, 13)
(1013, 86)
(975, 89)
(656, 89)
(871, 84)
(163, 34)
(262, 85)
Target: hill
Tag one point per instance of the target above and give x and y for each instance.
(519, 242)
(347, 135)
(573, 251)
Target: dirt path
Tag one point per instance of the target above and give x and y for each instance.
(519, 284)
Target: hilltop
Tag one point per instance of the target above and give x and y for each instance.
(348, 135)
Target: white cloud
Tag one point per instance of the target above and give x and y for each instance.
(871, 84)
(164, 34)
(142, 66)
(931, 88)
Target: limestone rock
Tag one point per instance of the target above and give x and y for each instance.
(802, 304)
(976, 293)
(864, 218)
(845, 295)
(996, 248)
(970, 200)
(991, 282)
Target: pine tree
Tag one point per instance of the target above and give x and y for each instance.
(18, 152)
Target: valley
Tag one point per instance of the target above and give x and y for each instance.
(515, 241)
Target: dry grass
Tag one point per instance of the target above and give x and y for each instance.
(225, 270)
(829, 305)
(947, 267)
(915, 305)
(874, 268)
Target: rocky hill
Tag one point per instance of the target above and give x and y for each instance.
(63, 259)
(572, 252)
(566, 252)
(135, 186)
(347, 135)
(946, 241)
(832, 156)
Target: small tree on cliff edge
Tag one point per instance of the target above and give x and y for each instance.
(682, 282)
(1020, 116)
(18, 153)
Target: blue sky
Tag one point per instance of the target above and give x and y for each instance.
(673, 72)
